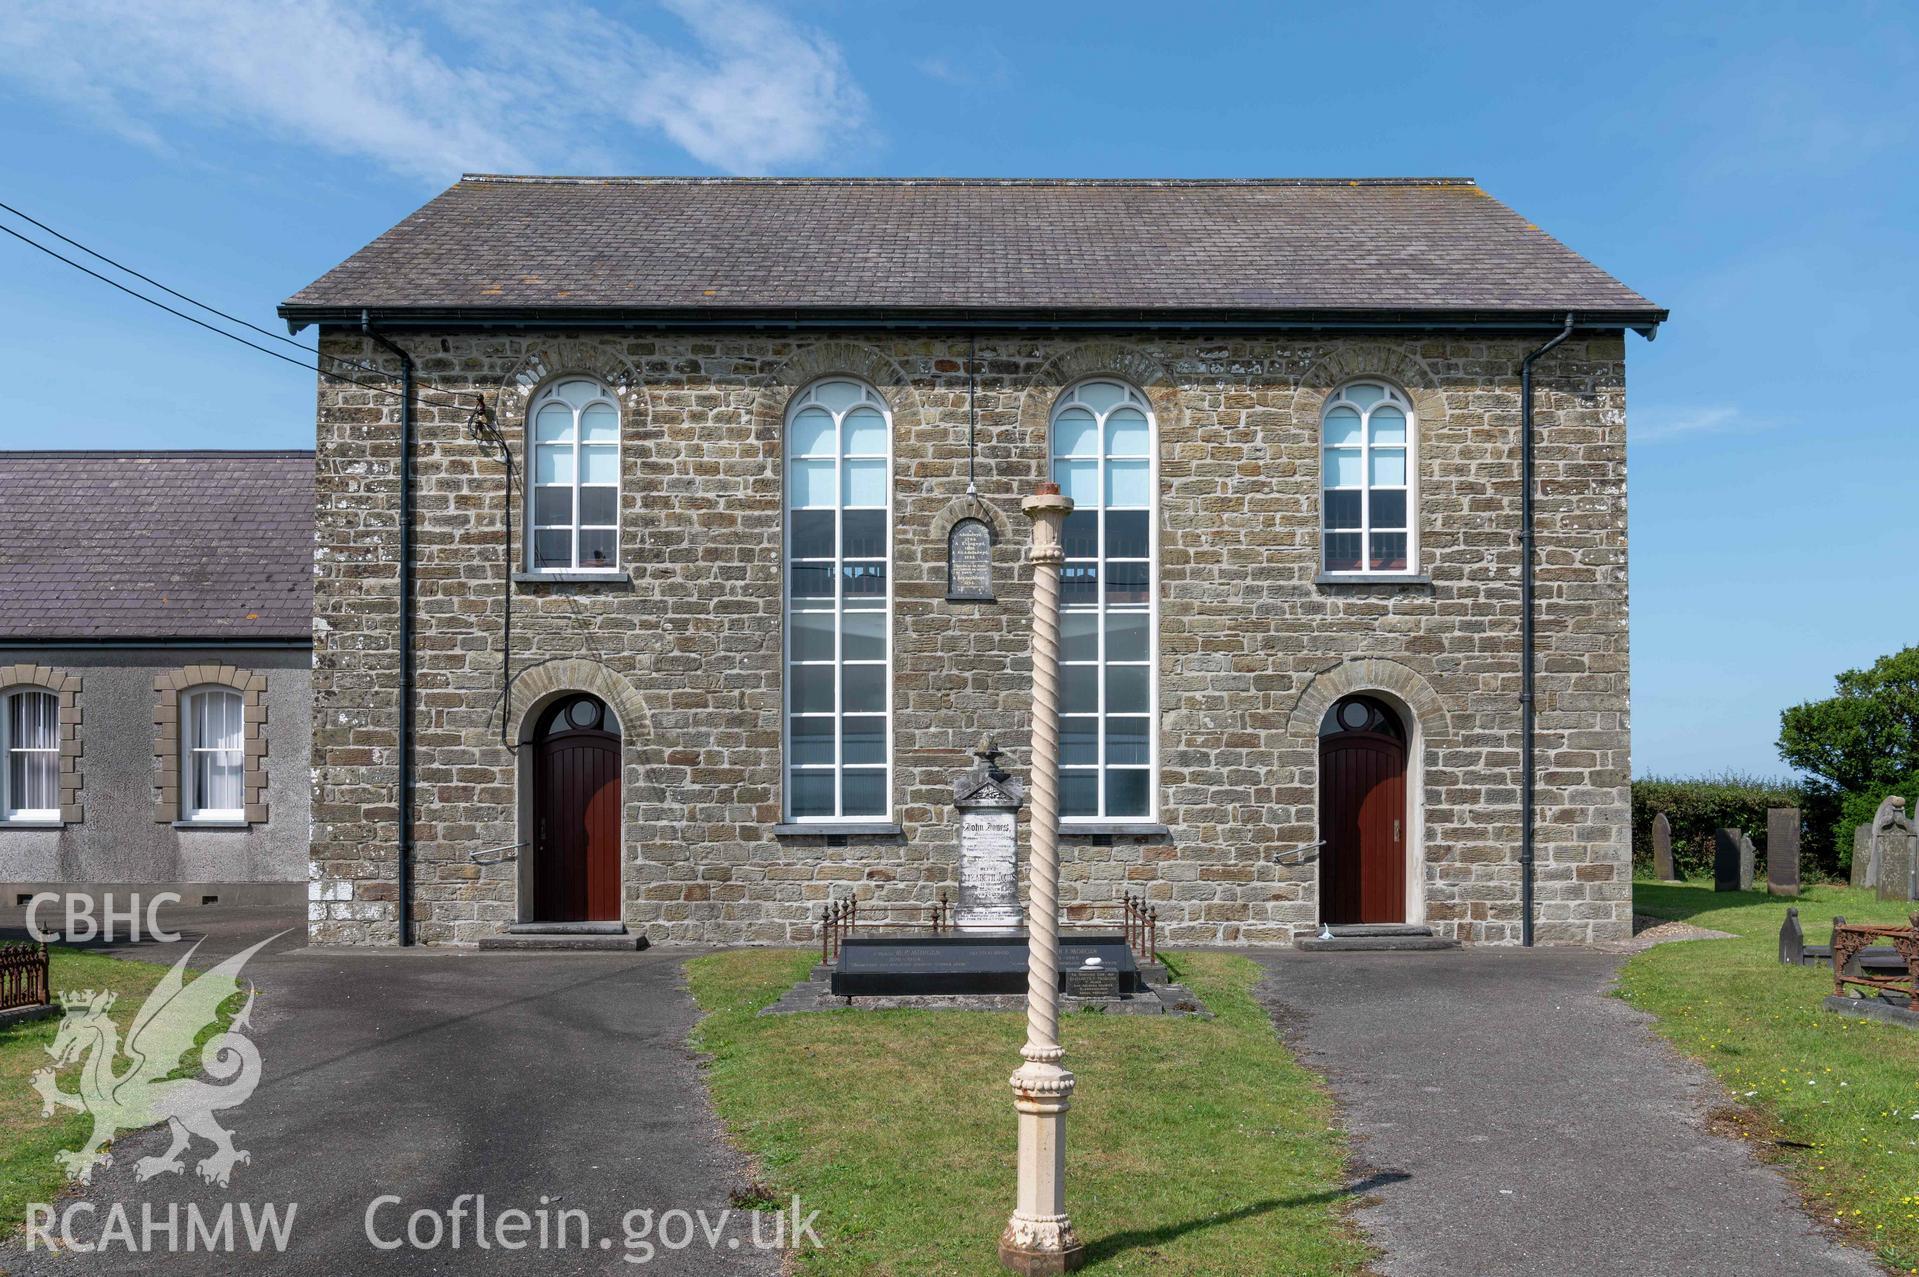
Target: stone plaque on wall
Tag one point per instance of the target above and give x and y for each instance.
(969, 562)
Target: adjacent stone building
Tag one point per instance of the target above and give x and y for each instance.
(155, 645)
(757, 430)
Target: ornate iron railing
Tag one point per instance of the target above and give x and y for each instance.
(23, 976)
(1848, 939)
(841, 917)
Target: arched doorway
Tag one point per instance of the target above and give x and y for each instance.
(1362, 812)
(576, 813)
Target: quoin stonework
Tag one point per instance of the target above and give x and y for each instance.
(1268, 660)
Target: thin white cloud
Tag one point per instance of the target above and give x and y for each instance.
(1657, 425)
(432, 91)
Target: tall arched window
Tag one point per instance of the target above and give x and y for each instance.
(1367, 517)
(1103, 448)
(574, 519)
(838, 626)
(30, 751)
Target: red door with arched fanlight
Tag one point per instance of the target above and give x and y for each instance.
(1362, 813)
(576, 814)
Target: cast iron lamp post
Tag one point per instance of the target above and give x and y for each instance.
(1039, 1238)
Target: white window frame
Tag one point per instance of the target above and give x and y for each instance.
(8, 812)
(807, 398)
(1399, 399)
(550, 394)
(189, 724)
(1134, 398)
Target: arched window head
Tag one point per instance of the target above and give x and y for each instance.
(1103, 448)
(574, 519)
(1368, 521)
(30, 755)
(212, 755)
(838, 604)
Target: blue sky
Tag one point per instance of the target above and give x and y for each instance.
(1755, 168)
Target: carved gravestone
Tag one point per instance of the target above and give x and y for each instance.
(1782, 851)
(989, 800)
(1748, 861)
(1862, 875)
(1662, 867)
(969, 562)
(1792, 941)
(1895, 855)
(1092, 980)
(1727, 860)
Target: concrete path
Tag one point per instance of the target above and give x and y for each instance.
(1517, 1121)
(540, 1081)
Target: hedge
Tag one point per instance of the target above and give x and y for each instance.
(1698, 806)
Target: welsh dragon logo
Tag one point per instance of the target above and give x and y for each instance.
(144, 1092)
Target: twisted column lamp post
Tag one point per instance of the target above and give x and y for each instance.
(1039, 1238)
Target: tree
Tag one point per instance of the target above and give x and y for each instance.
(1865, 738)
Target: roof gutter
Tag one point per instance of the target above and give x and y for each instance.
(483, 318)
(1526, 631)
(262, 644)
(403, 840)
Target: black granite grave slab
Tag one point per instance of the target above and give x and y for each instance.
(910, 966)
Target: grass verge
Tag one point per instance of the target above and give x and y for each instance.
(1836, 1099)
(1194, 1146)
(28, 1141)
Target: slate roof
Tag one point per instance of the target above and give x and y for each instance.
(496, 247)
(156, 545)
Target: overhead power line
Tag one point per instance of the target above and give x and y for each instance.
(212, 310)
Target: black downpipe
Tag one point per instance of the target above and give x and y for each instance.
(1526, 632)
(404, 842)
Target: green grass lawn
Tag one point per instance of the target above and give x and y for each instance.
(1193, 1146)
(1846, 1087)
(28, 1141)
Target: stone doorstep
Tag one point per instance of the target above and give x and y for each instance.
(1374, 944)
(561, 942)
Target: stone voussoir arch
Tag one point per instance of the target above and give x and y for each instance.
(535, 687)
(1367, 674)
(1384, 360)
(1092, 361)
(850, 359)
(544, 361)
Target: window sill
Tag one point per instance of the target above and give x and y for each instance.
(609, 576)
(837, 829)
(213, 824)
(1372, 578)
(33, 823)
(1113, 828)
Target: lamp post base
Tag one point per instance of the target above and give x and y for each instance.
(1040, 1247)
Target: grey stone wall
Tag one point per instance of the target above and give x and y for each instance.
(117, 840)
(1251, 648)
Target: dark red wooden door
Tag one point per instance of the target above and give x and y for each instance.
(576, 855)
(1362, 817)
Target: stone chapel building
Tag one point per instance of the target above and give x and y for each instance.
(678, 591)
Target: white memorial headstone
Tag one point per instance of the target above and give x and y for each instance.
(988, 800)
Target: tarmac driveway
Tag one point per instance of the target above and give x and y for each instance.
(538, 1082)
(1516, 1121)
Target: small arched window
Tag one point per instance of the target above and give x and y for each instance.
(1103, 447)
(574, 519)
(212, 755)
(1368, 523)
(838, 603)
(30, 753)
